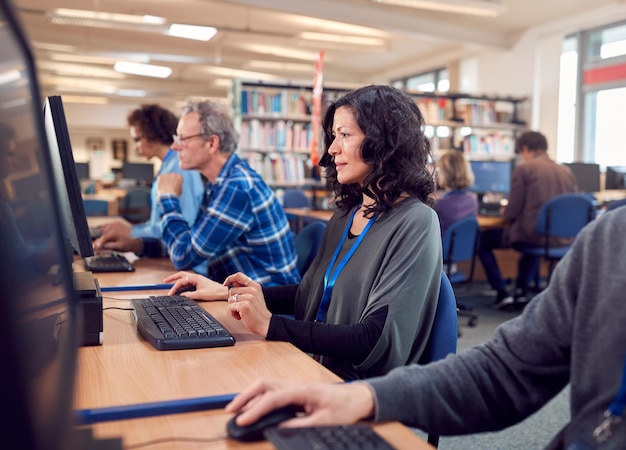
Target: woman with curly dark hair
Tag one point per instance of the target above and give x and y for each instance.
(367, 302)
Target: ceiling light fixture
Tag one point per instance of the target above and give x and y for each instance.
(146, 70)
(484, 8)
(155, 24)
(342, 39)
(195, 32)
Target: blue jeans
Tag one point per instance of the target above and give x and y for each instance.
(527, 265)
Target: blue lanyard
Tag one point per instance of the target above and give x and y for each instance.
(331, 278)
(613, 415)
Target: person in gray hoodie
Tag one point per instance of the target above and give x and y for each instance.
(572, 332)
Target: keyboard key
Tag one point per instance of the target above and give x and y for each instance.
(108, 262)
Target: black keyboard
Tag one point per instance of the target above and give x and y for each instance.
(177, 323)
(344, 437)
(108, 262)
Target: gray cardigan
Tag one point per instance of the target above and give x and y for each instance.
(573, 332)
(397, 265)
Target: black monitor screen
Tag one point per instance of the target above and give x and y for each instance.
(82, 170)
(70, 196)
(587, 176)
(38, 317)
(142, 172)
(491, 176)
(615, 177)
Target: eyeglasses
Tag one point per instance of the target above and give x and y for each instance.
(137, 138)
(179, 140)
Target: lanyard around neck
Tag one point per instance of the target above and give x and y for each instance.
(331, 276)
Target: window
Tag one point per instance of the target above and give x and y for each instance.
(593, 101)
(434, 81)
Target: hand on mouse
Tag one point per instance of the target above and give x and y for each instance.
(323, 404)
(206, 289)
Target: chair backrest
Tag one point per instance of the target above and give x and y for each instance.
(308, 242)
(95, 207)
(444, 334)
(459, 243)
(565, 215)
(295, 198)
(616, 204)
(136, 204)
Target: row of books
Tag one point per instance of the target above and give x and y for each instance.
(489, 146)
(280, 102)
(278, 168)
(465, 111)
(283, 135)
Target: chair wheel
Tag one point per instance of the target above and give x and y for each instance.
(471, 323)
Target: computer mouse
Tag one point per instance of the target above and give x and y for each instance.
(185, 288)
(254, 432)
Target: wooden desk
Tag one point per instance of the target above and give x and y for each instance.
(127, 370)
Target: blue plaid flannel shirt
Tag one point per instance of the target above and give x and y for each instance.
(241, 227)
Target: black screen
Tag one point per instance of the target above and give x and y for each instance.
(615, 177)
(491, 176)
(38, 319)
(587, 176)
(142, 172)
(70, 196)
(82, 170)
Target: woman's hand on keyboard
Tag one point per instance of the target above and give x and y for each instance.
(205, 288)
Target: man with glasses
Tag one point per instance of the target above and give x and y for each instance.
(241, 226)
(151, 128)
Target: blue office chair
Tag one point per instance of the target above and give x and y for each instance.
(308, 242)
(295, 198)
(136, 204)
(443, 335)
(616, 204)
(95, 207)
(562, 216)
(459, 243)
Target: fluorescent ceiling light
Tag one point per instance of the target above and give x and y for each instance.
(191, 32)
(342, 39)
(276, 65)
(485, 8)
(107, 17)
(10, 76)
(85, 99)
(146, 70)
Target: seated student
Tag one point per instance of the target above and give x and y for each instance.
(454, 176)
(152, 128)
(535, 180)
(367, 302)
(240, 225)
(572, 332)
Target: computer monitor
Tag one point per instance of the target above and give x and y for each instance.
(491, 176)
(39, 329)
(142, 172)
(587, 176)
(69, 193)
(82, 170)
(615, 177)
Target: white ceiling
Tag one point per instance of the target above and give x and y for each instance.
(266, 30)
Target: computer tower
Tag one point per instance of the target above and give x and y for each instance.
(90, 307)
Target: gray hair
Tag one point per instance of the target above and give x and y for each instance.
(214, 119)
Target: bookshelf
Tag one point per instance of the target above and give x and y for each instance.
(274, 123)
(484, 127)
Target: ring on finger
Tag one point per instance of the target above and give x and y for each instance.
(235, 298)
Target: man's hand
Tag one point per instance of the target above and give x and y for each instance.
(170, 183)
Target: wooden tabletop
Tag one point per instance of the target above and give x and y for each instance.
(125, 370)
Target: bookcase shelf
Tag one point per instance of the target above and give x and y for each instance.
(484, 127)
